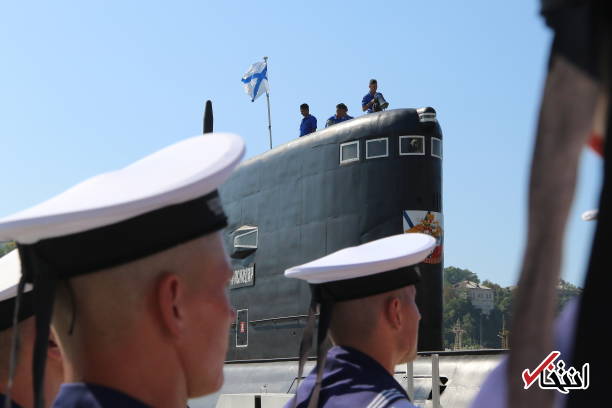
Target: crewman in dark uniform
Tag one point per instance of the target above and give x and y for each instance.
(366, 297)
(340, 116)
(21, 389)
(130, 266)
(373, 101)
(308, 124)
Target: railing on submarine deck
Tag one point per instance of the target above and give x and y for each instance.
(435, 381)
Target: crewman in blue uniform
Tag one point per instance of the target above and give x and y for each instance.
(133, 266)
(340, 116)
(366, 298)
(373, 101)
(21, 389)
(309, 122)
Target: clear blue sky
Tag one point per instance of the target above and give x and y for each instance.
(87, 87)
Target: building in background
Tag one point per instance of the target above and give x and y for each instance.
(482, 297)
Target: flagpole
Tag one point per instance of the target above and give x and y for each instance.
(268, 100)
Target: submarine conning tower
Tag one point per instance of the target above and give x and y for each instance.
(367, 178)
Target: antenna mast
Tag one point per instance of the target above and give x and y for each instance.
(268, 100)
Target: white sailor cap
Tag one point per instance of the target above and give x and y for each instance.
(158, 202)
(10, 273)
(368, 269)
(166, 199)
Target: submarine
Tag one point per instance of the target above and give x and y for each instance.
(367, 178)
(348, 184)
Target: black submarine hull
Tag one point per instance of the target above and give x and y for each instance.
(301, 201)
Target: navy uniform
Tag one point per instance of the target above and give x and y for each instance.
(335, 119)
(81, 395)
(157, 203)
(353, 379)
(374, 107)
(345, 377)
(308, 125)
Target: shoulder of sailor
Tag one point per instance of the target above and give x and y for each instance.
(403, 403)
(390, 398)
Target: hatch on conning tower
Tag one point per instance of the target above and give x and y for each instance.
(427, 114)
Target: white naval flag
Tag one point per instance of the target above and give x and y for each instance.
(255, 80)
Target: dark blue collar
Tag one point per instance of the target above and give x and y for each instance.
(356, 358)
(83, 395)
(351, 379)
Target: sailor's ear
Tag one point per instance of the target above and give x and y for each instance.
(393, 311)
(170, 299)
(53, 350)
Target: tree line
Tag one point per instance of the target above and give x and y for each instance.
(6, 247)
(481, 330)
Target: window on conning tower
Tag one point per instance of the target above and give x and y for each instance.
(436, 147)
(349, 152)
(411, 145)
(377, 148)
(246, 237)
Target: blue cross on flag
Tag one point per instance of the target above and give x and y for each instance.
(255, 80)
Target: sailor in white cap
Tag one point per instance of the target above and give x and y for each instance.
(366, 297)
(132, 267)
(20, 393)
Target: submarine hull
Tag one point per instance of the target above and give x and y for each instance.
(354, 182)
